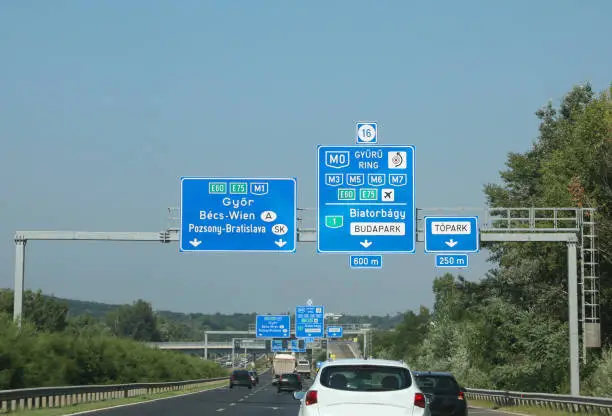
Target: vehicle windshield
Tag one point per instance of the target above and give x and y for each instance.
(365, 378)
(437, 384)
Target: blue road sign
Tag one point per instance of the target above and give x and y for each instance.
(366, 261)
(452, 260)
(367, 133)
(334, 332)
(319, 364)
(309, 321)
(297, 345)
(451, 235)
(309, 340)
(365, 199)
(277, 345)
(238, 214)
(273, 326)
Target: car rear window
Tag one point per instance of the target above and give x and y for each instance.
(365, 378)
(291, 377)
(440, 384)
(241, 374)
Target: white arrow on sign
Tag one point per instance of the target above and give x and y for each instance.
(451, 243)
(366, 243)
(195, 242)
(280, 242)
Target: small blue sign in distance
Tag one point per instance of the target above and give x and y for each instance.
(277, 345)
(319, 364)
(297, 345)
(366, 199)
(451, 235)
(334, 332)
(238, 214)
(309, 321)
(367, 133)
(273, 326)
(460, 261)
(366, 261)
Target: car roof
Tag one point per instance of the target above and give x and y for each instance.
(362, 361)
(433, 373)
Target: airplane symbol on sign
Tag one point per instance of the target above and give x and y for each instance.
(388, 195)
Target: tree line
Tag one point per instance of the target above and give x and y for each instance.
(53, 349)
(509, 331)
(141, 322)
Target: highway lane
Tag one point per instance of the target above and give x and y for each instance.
(262, 400)
(239, 401)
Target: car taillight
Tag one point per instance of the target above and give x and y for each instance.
(461, 396)
(311, 397)
(419, 400)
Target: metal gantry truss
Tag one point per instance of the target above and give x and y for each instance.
(589, 273)
(573, 226)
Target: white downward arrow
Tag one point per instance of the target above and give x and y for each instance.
(195, 242)
(366, 243)
(451, 243)
(280, 242)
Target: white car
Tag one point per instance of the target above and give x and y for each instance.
(359, 387)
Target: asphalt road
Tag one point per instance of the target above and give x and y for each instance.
(262, 400)
(239, 401)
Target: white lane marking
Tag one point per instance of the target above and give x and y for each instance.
(220, 410)
(232, 404)
(240, 400)
(86, 412)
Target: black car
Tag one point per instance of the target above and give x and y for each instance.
(241, 378)
(445, 396)
(289, 382)
(254, 374)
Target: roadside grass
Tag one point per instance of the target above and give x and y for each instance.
(526, 410)
(67, 410)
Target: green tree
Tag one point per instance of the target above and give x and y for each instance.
(45, 312)
(136, 321)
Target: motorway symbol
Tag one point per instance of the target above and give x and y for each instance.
(452, 260)
(362, 216)
(366, 261)
(238, 214)
(334, 332)
(273, 326)
(309, 321)
(452, 235)
(367, 133)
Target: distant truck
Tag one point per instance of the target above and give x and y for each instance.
(303, 368)
(283, 363)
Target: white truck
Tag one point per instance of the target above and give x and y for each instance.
(282, 363)
(303, 368)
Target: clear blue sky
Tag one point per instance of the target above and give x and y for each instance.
(104, 105)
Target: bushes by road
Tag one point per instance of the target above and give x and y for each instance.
(509, 331)
(33, 358)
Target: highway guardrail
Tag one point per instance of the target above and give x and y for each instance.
(54, 397)
(555, 402)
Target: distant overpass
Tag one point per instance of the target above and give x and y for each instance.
(187, 346)
(206, 345)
